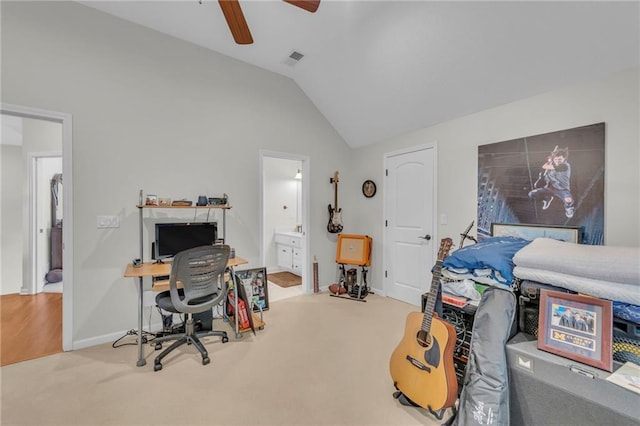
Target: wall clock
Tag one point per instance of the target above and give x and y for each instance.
(369, 188)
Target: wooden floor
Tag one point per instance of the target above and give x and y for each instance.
(30, 327)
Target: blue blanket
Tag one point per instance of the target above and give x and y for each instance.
(495, 253)
(627, 311)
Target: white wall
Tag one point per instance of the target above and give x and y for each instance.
(151, 112)
(613, 99)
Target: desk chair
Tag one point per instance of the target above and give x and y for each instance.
(201, 271)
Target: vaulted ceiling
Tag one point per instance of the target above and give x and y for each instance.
(378, 69)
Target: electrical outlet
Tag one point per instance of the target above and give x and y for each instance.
(108, 222)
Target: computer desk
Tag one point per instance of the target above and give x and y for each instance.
(152, 269)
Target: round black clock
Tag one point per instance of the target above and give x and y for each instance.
(369, 188)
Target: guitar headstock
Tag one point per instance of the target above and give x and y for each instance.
(445, 246)
(334, 179)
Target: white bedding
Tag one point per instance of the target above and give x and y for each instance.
(600, 263)
(620, 292)
(482, 276)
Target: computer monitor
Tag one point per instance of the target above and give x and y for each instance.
(172, 238)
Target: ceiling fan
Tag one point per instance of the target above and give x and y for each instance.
(238, 25)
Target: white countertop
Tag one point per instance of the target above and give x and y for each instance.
(290, 233)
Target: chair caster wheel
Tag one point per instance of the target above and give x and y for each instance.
(157, 367)
(225, 339)
(158, 346)
(205, 360)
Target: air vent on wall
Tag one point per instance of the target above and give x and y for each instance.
(293, 58)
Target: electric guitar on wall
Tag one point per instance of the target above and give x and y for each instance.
(335, 214)
(422, 365)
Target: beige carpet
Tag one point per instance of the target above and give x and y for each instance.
(284, 279)
(319, 361)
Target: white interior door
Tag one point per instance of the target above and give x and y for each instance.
(410, 209)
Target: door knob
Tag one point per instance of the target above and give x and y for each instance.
(426, 237)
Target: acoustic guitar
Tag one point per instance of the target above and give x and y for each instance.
(422, 365)
(335, 214)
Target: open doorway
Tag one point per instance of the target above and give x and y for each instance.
(43, 135)
(46, 204)
(285, 242)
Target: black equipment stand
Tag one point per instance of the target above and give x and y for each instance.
(355, 292)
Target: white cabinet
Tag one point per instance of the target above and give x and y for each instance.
(284, 256)
(289, 246)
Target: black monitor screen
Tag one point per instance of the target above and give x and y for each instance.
(172, 238)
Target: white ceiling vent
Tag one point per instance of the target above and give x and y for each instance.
(293, 58)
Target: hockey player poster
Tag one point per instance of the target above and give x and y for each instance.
(549, 179)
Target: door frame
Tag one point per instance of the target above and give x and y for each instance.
(434, 211)
(306, 172)
(67, 193)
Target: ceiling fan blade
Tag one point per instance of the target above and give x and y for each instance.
(235, 19)
(308, 5)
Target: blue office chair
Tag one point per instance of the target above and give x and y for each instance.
(200, 271)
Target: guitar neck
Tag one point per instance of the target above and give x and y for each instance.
(433, 294)
(334, 180)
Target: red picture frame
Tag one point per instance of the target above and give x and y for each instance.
(576, 327)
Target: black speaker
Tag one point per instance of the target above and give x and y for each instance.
(545, 389)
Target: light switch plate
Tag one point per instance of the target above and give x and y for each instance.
(108, 222)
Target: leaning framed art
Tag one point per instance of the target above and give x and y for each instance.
(576, 327)
(255, 284)
(571, 234)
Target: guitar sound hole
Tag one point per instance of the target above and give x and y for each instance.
(423, 338)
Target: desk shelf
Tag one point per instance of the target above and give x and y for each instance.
(143, 207)
(148, 269)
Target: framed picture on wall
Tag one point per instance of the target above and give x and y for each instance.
(255, 284)
(549, 179)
